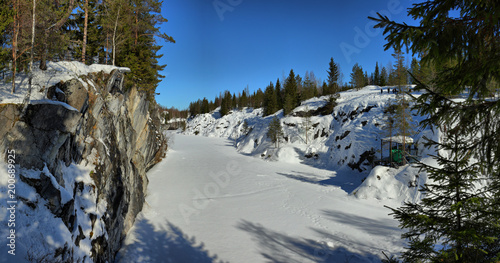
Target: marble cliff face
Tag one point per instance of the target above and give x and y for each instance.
(93, 121)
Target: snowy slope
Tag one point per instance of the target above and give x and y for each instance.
(340, 141)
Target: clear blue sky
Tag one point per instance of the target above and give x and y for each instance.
(229, 44)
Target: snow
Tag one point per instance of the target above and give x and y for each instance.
(208, 203)
(42, 80)
(336, 140)
(38, 232)
(54, 102)
(229, 194)
(399, 139)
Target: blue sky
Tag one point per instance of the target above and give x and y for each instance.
(229, 44)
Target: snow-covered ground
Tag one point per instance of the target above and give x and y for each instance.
(209, 203)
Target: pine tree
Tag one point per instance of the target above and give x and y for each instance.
(456, 221)
(6, 17)
(243, 100)
(376, 76)
(358, 78)
(51, 20)
(234, 101)
(204, 106)
(226, 103)
(333, 78)
(308, 87)
(400, 76)
(306, 124)
(416, 71)
(449, 212)
(86, 32)
(383, 77)
(258, 98)
(324, 89)
(270, 100)
(388, 127)
(403, 118)
(275, 131)
(290, 93)
(279, 96)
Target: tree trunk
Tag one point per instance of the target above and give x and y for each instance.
(43, 55)
(30, 80)
(114, 35)
(33, 36)
(84, 46)
(15, 28)
(107, 49)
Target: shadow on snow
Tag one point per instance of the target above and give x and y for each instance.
(380, 227)
(277, 247)
(166, 243)
(342, 180)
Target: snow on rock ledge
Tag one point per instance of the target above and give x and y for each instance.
(56, 72)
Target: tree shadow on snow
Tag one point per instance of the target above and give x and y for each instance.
(344, 181)
(167, 244)
(380, 227)
(277, 247)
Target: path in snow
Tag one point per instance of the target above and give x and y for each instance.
(208, 203)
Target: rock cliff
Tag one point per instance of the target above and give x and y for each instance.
(91, 121)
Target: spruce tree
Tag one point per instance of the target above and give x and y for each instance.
(226, 103)
(358, 78)
(275, 131)
(376, 75)
(383, 77)
(290, 93)
(449, 213)
(204, 106)
(416, 71)
(308, 87)
(333, 78)
(279, 94)
(243, 100)
(234, 101)
(7, 15)
(458, 219)
(270, 100)
(403, 118)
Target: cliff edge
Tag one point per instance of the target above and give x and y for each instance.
(81, 156)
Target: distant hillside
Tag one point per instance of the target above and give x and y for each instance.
(348, 139)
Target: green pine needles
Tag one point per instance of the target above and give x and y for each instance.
(275, 131)
(458, 219)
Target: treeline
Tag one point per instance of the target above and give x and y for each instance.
(283, 94)
(401, 72)
(173, 114)
(113, 32)
(288, 93)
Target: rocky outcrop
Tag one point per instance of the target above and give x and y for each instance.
(88, 120)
